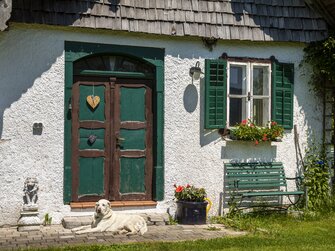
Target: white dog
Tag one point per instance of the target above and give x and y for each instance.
(106, 220)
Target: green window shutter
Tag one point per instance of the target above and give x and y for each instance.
(282, 94)
(215, 93)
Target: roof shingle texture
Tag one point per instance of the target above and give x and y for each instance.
(255, 20)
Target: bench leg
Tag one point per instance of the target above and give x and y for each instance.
(294, 203)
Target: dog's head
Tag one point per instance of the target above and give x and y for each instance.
(102, 207)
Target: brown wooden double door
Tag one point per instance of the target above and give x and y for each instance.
(112, 140)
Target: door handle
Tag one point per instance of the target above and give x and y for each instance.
(119, 141)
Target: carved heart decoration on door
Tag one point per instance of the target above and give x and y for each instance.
(93, 101)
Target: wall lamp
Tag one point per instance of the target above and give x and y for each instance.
(195, 71)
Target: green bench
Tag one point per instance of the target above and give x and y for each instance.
(258, 185)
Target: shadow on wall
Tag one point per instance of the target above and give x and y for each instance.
(190, 98)
(23, 60)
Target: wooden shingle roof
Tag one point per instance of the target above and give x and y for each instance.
(255, 20)
(326, 8)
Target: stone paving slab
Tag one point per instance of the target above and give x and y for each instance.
(56, 235)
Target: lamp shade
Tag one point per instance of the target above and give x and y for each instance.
(195, 71)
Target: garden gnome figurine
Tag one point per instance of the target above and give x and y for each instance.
(29, 219)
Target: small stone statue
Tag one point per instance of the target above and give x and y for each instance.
(30, 191)
(29, 219)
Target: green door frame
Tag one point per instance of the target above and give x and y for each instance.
(154, 56)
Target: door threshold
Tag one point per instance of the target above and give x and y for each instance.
(84, 205)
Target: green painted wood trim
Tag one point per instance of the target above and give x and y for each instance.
(117, 74)
(155, 56)
(158, 189)
(282, 86)
(215, 94)
(67, 193)
(76, 50)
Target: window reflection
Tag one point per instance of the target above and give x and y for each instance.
(237, 83)
(260, 80)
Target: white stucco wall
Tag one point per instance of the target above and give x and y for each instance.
(32, 90)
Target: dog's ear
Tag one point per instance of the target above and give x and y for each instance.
(109, 204)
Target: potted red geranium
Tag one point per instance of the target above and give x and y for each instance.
(191, 204)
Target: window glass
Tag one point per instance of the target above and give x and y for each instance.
(112, 63)
(260, 80)
(237, 110)
(261, 111)
(237, 80)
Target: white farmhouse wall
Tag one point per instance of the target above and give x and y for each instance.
(32, 90)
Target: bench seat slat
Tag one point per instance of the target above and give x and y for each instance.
(255, 165)
(254, 171)
(257, 186)
(253, 175)
(253, 194)
(251, 170)
(256, 182)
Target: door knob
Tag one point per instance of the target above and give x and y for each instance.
(119, 141)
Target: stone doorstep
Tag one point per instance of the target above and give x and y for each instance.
(157, 219)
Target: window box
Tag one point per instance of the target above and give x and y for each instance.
(249, 131)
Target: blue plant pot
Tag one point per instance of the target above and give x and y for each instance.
(191, 213)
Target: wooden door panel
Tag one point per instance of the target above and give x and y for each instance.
(132, 103)
(98, 144)
(91, 176)
(132, 139)
(90, 159)
(132, 175)
(133, 133)
(86, 112)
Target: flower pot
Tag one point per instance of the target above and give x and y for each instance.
(191, 213)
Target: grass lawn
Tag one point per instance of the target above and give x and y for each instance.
(275, 232)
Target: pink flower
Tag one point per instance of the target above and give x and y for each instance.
(256, 142)
(273, 123)
(244, 122)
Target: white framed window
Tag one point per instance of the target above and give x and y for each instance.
(248, 92)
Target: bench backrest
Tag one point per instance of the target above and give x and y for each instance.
(254, 176)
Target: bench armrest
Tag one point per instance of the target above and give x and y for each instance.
(298, 180)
